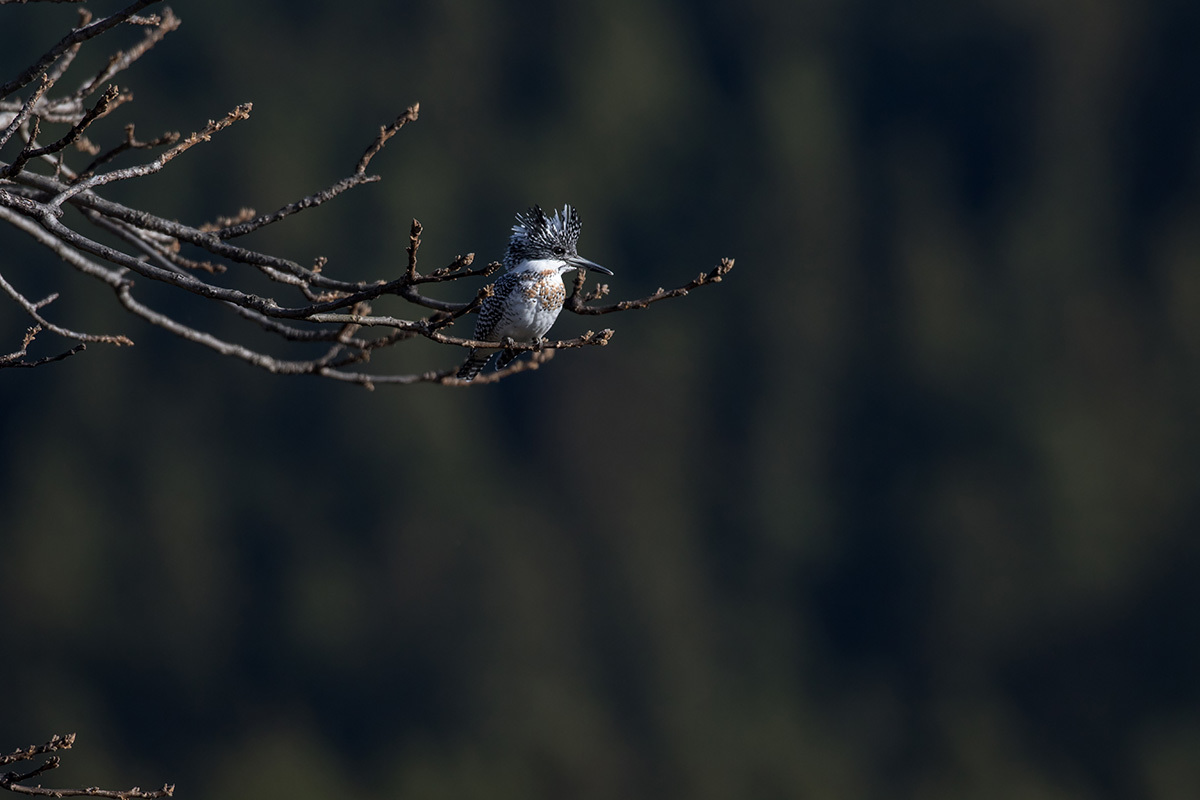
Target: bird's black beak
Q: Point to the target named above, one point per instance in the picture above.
(579, 262)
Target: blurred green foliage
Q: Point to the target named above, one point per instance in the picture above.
(904, 508)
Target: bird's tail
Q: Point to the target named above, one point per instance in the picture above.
(506, 357)
(474, 363)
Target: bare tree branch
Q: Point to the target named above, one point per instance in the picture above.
(17, 357)
(56, 743)
(21, 116)
(159, 27)
(304, 308)
(102, 107)
(76, 36)
(15, 781)
(577, 302)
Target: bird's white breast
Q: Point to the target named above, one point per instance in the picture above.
(534, 303)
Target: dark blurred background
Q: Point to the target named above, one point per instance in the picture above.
(905, 508)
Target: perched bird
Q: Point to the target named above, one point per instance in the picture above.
(528, 296)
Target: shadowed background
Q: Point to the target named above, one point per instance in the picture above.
(904, 508)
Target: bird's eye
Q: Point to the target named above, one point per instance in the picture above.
(558, 250)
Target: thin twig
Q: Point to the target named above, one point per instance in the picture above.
(68, 56)
(55, 744)
(15, 781)
(204, 135)
(77, 36)
(33, 310)
(122, 59)
(131, 143)
(102, 107)
(414, 242)
(386, 132)
(19, 119)
(357, 179)
(17, 359)
(576, 303)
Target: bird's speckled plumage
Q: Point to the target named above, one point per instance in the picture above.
(528, 297)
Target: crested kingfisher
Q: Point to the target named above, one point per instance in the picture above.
(528, 297)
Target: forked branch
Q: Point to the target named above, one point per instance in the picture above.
(18, 782)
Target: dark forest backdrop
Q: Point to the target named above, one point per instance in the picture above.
(906, 508)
